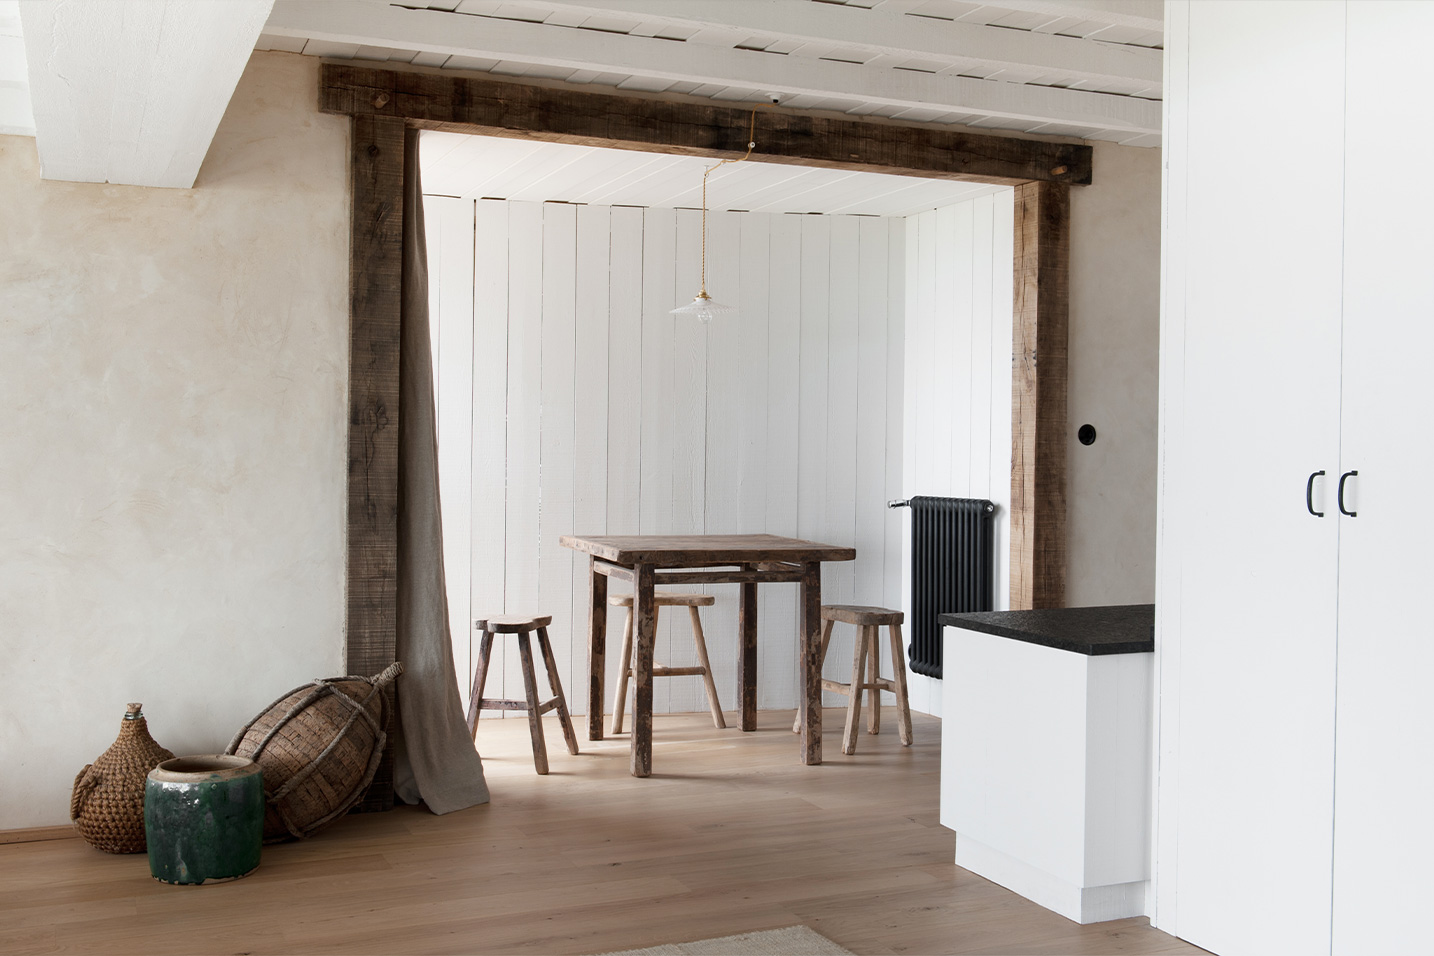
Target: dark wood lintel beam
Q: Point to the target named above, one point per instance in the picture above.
(500, 108)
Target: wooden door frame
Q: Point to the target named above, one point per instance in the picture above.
(385, 106)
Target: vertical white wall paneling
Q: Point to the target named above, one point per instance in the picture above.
(958, 262)
(490, 426)
(659, 413)
(732, 391)
(813, 308)
(751, 408)
(591, 469)
(777, 666)
(624, 402)
(843, 367)
(449, 224)
(557, 432)
(916, 322)
(595, 410)
(1002, 363)
(689, 433)
(868, 387)
(982, 276)
(945, 361)
(812, 411)
(522, 570)
(957, 384)
(896, 265)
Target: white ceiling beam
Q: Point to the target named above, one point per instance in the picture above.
(132, 92)
(366, 23)
(1146, 15)
(967, 44)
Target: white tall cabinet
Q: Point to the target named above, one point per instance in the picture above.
(1294, 791)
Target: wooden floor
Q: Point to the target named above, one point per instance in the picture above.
(730, 834)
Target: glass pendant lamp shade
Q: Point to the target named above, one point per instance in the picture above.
(703, 306)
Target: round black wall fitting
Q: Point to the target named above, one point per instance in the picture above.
(1086, 434)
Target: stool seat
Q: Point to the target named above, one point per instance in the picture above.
(535, 707)
(861, 615)
(866, 669)
(703, 668)
(512, 623)
(667, 599)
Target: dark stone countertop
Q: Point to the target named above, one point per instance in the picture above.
(1121, 629)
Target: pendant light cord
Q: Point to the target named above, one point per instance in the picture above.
(751, 145)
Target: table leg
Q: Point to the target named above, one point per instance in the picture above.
(811, 670)
(644, 636)
(597, 648)
(747, 655)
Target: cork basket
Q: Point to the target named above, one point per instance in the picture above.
(319, 746)
(107, 803)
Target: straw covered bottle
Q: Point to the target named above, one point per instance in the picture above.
(107, 804)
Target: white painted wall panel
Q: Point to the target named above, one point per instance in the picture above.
(957, 378)
(800, 415)
(778, 605)
(489, 512)
(450, 264)
(608, 414)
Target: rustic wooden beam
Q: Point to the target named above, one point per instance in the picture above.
(1038, 396)
(383, 103)
(375, 269)
(498, 108)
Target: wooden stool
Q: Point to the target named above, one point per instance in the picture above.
(522, 626)
(664, 599)
(866, 659)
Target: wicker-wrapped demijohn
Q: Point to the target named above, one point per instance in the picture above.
(107, 803)
(319, 746)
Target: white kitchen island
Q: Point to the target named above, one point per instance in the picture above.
(1046, 754)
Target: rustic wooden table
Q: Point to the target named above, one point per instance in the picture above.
(646, 560)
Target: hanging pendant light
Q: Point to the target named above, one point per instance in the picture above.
(703, 306)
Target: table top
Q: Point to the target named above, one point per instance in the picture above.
(703, 550)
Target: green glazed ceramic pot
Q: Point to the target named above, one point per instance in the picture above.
(204, 818)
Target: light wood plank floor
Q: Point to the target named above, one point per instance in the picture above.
(729, 835)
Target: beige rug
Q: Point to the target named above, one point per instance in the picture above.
(792, 941)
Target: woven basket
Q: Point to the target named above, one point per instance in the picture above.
(107, 803)
(319, 746)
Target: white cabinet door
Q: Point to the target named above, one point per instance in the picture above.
(1255, 635)
(1384, 750)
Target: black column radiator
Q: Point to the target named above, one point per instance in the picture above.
(952, 569)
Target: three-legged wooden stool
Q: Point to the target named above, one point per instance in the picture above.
(666, 599)
(522, 626)
(866, 660)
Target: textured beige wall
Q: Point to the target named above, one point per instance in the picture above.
(1114, 359)
(172, 440)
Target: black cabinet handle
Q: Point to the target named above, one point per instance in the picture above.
(1309, 495)
(1342, 479)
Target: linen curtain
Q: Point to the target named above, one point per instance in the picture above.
(435, 761)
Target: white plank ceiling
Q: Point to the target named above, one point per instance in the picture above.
(137, 100)
(1084, 68)
(488, 167)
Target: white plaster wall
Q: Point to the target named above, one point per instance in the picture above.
(172, 417)
(1114, 361)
